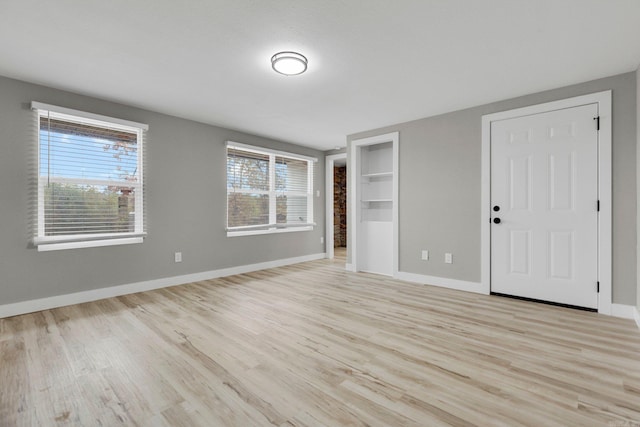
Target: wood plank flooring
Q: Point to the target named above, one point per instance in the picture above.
(313, 345)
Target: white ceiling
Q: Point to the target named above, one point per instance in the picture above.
(371, 62)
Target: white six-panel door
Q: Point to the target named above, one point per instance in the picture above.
(544, 181)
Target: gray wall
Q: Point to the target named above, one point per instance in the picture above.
(638, 179)
(439, 179)
(185, 201)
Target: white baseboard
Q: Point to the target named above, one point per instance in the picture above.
(623, 311)
(617, 310)
(349, 267)
(31, 306)
(443, 282)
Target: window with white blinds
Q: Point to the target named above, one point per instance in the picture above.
(267, 190)
(90, 179)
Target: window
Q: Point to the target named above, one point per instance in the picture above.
(268, 191)
(90, 179)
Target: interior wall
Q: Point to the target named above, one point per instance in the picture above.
(340, 206)
(638, 181)
(440, 188)
(185, 202)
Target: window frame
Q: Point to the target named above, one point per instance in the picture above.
(73, 241)
(273, 226)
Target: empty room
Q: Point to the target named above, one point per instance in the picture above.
(320, 213)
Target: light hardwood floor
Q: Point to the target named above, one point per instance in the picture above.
(340, 254)
(311, 344)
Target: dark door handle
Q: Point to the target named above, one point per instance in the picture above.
(496, 220)
(496, 208)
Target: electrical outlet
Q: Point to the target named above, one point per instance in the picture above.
(425, 255)
(178, 257)
(448, 258)
(321, 240)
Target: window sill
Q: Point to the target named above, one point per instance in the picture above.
(88, 244)
(268, 231)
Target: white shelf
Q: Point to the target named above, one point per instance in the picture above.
(376, 183)
(377, 174)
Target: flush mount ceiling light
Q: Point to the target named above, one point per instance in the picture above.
(289, 63)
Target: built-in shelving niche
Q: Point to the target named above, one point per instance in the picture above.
(375, 198)
(376, 182)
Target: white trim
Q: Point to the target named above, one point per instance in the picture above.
(605, 218)
(603, 99)
(396, 203)
(88, 244)
(622, 310)
(274, 225)
(274, 230)
(310, 196)
(102, 120)
(354, 204)
(47, 240)
(617, 310)
(15, 309)
(263, 150)
(329, 182)
(139, 217)
(273, 195)
(442, 282)
(349, 267)
(485, 206)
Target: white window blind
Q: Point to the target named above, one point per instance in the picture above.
(90, 179)
(268, 190)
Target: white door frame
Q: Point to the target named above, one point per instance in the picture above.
(330, 164)
(603, 100)
(353, 197)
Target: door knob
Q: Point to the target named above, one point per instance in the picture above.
(496, 208)
(496, 220)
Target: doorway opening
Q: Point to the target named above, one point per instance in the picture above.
(340, 210)
(336, 210)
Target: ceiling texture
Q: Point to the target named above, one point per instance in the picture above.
(372, 63)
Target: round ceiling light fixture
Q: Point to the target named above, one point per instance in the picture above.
(289, 63)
